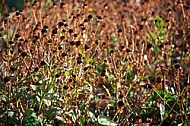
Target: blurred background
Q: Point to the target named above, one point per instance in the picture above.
(11, 5)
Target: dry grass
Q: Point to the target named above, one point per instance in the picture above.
(81, 63)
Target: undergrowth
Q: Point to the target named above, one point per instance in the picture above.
(95, 63)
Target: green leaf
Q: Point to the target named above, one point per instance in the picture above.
(90, 61)
(82, 120)
(105, 121)
(82, 105)
(10, 113)
(30, 96)
(36, 88)
(100, 68)
(50, 112)
(114, 87)
(130, 75)
(28, 113)
(166, 115)
(112, 103)
(32, 121)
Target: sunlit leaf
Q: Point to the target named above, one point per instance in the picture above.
(90, 61)
(10, 113)
(82, 120)
(36, 88)
(105, 121)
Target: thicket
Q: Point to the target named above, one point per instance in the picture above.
(95, 63)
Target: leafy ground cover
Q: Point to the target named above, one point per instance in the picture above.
(95, 63)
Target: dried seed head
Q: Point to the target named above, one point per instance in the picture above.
(23, 54)
(7, 15)
(119, 30)
(161, 46)
(11, 51)
(85, 68)
(96, 42)
(65, 87)
(63, 30)
(36, 69)
(36, 37)
(50, 41)
(58, 75)
(86, 47)
(99, 18)
(128, 50)
(73, 75)
(72, 43)
(75, 35)
(85, 20)
(11, 42)
(83, 28)
(45, 27)
(111, 51)
(122, 47)
(186, 50)
(90, 16)
(44, 31)
(120, 104)
(79, 61)
(19, 50)
(158, 80)
(17, 13)
(6, 79)
(12, 68)
(36, 4)
(149, 46)
(64, 54)
(177, 66)
(42, 63)
(54, 32)
(66, 25)
(17, 36)
(78, 43)
(62, 37)
(60, 24)
(70, 80)
(60, 48)
(70, 31)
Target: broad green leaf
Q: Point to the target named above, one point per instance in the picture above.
(166, 115)
(90, 61)
(114, 87)
(130, 75)
(28, 113)
(105, 121)
(100, 68)
(10, 113)
(50, 112)
(36, 88)
(92, 116)
(32, 121)
(82, 120)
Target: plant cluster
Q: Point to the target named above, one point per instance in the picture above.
(96, 63)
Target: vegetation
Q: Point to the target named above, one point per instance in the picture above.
(95, 63)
